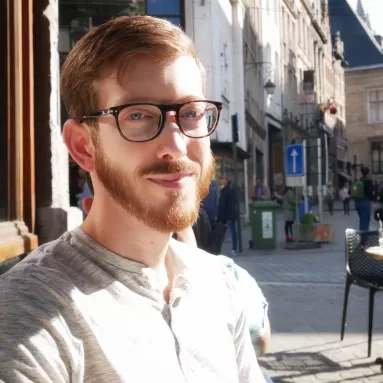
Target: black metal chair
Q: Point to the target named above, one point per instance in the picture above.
(362, 271)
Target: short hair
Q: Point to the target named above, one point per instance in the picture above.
(113, 46)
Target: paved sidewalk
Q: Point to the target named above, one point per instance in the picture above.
(305, 290)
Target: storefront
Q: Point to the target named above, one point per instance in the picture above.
(17, 191)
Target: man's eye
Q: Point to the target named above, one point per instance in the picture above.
(192, 113)
(136, 116)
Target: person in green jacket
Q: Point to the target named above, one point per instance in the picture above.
(289, 210)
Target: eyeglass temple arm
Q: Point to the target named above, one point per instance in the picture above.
(100, 113)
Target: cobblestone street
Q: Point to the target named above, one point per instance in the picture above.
(305, 290)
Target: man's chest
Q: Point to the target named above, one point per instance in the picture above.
(137, 340)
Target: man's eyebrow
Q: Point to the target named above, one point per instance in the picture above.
(151, 100)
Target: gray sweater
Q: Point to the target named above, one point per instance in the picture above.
(72, 311)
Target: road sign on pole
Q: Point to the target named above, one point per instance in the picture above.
(294, 160)
(294, 165)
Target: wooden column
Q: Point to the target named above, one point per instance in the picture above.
(16, 236)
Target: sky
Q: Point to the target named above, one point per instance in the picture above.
(374, 8)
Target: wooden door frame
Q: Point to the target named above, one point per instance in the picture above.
(16, 234)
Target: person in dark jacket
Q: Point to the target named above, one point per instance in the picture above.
(210, 203)
(227, 211)
(363, 206)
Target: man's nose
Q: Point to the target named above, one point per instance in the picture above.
(172, 141)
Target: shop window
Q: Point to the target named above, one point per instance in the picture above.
(377, 157)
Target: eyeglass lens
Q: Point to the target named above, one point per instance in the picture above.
(142, 122)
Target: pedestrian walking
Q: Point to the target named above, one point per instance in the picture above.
(261, 191)
(361, 193)
(345, 197)
(289, 211)
(117, 299)
(210, 203)
(330, 197)
(227, 211)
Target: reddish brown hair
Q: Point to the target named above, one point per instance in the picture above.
(112, 46)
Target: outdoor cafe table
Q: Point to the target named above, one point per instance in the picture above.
(376, 252)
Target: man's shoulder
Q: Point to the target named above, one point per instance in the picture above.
(42, 272)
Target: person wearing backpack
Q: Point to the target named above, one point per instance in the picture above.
(361, 193)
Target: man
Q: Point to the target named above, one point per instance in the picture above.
(361, 193)
(227, 211)
(330, 197)
(85, 191)
(210, 203)
(118, 300)
(262, 192)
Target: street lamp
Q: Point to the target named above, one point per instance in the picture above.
(270, 87)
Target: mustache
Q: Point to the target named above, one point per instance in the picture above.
(171, 167)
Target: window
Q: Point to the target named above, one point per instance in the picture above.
(375, 112)
(165, 9)
(77, 19)
(377, 157)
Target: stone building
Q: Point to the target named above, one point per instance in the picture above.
(363, 87)
(313, 87)
(364, 94)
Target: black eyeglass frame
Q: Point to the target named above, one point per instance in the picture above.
(164, 108)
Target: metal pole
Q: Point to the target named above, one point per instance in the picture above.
(297, 221)
(320, 196)
(305, 177)
(235, 181)
(326, 158)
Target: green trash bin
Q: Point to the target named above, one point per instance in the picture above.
(263, 224)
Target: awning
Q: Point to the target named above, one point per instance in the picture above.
(218, 146)
(344, 174)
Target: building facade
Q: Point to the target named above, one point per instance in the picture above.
(216, 27)
(363, 52)
(313, 86)
(254, 92)
(364, 92)
(271, 70)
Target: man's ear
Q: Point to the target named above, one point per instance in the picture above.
(78, 141)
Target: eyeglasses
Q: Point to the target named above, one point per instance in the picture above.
(143, 122)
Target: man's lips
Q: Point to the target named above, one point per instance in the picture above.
(172, 177)
(172, 180)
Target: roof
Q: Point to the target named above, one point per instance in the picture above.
(360, 45)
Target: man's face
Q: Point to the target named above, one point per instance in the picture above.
(259, 182)
(160, 182)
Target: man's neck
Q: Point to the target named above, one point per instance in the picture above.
(110, 226)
